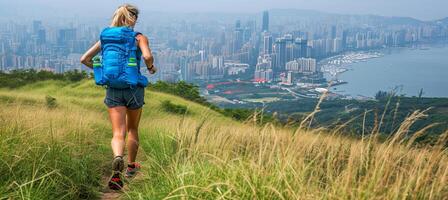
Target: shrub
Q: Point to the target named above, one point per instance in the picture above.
(18, 78)
(75, 75)
(183, 89)
(173, 108)
(50, 101)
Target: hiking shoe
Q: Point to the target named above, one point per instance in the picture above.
(118, 164)
(115, 182)
(132, 170)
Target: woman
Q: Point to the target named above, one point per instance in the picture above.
(124, 105)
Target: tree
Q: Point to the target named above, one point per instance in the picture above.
(420, 94)
(380, 95)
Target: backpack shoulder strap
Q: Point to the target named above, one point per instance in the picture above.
(134, 39)
(136, 34)
(101, 35)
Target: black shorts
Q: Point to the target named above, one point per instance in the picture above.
(131, 98)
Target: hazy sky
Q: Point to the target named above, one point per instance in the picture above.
(421, 9)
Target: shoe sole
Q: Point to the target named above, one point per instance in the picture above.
(118, 164)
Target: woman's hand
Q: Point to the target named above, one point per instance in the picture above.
(152, 69)
(86, 59)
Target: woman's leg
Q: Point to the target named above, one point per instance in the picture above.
(133, 120)
(118, 118)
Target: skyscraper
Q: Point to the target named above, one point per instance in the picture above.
(238, 37)
(265, 21)
(344, 39)
(288, 38)
(41, 36)
(66, 41)
(37, 25)
(302, 45)
(66, 35)
(280, 51)
(267, 44)
(238, 24)
(302, 65)
(333, 32)
(263, 70)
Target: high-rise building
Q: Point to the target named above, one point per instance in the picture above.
(238, 37)
(66, 36)
(361, 41)
(238, 24)
(290, 51)
(302, 65)
(37, 25)
(265, 26)
(337, 45)
(263, 70)
(185, 69)
(333, 32)
(344, 39)
(201, 69)
(41, 36)
(3, 62)
(280, 51)
(267, 44)
(289, 47)
(301, 51)
(328, 46)
(218, 62)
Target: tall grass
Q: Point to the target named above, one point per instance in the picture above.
(50, 152)
(202, 159)
(60, 151)
(55, 139)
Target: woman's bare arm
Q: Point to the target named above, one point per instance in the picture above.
(86, 59)
(143, 43)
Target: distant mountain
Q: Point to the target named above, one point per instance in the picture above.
(396, 20)
(311, 15)
(298, 13)
(400, 20)
(443, 21)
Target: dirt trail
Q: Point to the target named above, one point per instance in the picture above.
(106, 193)
(110, 196)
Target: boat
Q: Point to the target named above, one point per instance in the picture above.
(338, 82)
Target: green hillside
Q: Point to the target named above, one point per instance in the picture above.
(55, 144)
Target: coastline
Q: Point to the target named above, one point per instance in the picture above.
(338, 64)
(366, 55)
(335, 67)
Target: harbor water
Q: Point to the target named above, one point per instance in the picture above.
(405, 70)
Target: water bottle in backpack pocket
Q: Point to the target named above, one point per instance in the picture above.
(98, 72)
(132, 72)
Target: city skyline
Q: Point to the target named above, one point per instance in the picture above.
(285, 49)
(422, 10)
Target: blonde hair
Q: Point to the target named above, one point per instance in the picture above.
(125, 15)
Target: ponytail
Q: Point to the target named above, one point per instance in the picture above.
(125, 15)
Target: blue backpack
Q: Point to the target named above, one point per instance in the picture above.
(119, 66)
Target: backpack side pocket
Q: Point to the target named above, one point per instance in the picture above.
(132, 72)
(98, 71)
